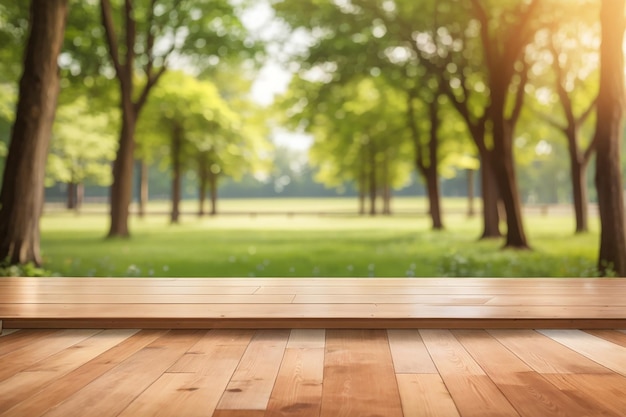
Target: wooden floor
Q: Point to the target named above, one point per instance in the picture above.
(199, 303)
(312, 373)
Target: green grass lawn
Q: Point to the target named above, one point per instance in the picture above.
(305, 246)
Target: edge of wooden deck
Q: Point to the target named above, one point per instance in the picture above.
(316, 323)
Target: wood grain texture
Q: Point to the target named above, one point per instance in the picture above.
(298, 388)
(525, 389)
(593, 303)
(64, 387)
(595, 348)
(543, 354)
(252, 383)
(113, 392)
(359, 379)
(26, 356)
(409, 353)
(319, 374)
(425, 395)
(23, 385)
(474, 393)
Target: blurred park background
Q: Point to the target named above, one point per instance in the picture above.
(366, 138)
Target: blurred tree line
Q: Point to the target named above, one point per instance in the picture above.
(518, 96)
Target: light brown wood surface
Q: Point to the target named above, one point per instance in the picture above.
(315, 373)
(589, 303)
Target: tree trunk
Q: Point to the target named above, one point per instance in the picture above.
(607, 140)
(22, 195)
(202, 186)
(490, 198)
(432, 172)
(122, 187)
(213, 191)
(386, 187)
(176, 151)
(143, 187)
(71, 196)
(80, 196)
(504, 168)
(579, 191)
(373, 183)
(471, 212)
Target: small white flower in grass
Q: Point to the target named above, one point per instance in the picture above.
(292, 270)
(166, 268)
(150, 272)
(232, 259)
(316, 270)
(133, 270)
(412, 266)
(252, 250)
(260, 267)
(251, 275)
(350, 268)
(266, 262)
(371, 267)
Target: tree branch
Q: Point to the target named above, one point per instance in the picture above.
(131, 35)
(150, 39)
(109, 30)
(520, 94)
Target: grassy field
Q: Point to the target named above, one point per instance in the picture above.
(310, 245)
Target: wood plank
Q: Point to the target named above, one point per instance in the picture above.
(307, 339)
(80, 299)
(358, 376)
(391, 299)
(177, 394)
(69, 384)
(130, 378)
(409, 353)
(252, 383)
(426, 396)
(298, 388)
(22, 385)
(605, 389)
(599, 350)
(239, 413)
(24, 357)
(474, 394)
(543, 354)
(22, 338)
(612, 336)
(529, 393)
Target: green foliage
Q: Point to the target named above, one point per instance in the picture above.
(83, 145)
(27, 270)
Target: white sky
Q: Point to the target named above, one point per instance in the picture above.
(273, 79)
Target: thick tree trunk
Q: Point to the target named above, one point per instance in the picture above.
(607, 140)
(490, 199)
(434, 199)
(176, 150)
(122, 187)
(143, 187)
(504, 168)
(22, 195)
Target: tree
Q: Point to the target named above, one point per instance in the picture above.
(21, 198)
(181, 28)
(608, 135)
(82, 149)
